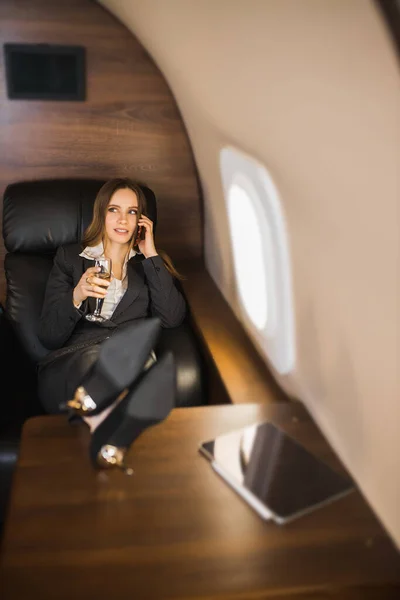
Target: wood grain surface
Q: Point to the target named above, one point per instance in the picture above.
(129, 125)
(233, 358)
(174, 529)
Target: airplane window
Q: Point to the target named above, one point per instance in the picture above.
(261, 258)
(247, 250)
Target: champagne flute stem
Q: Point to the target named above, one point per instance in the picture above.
(99, 306)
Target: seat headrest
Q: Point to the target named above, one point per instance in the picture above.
(40, 216)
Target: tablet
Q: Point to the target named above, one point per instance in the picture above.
(278, 477)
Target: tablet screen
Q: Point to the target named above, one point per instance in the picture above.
(277, 470)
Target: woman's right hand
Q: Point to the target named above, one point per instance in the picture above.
(90, 285)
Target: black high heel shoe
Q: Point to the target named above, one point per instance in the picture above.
(149, 403)
(121, 360)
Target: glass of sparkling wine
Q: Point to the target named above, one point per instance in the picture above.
(105, 273)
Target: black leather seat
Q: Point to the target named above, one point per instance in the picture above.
(39, 216)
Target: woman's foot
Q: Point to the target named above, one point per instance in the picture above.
(121, 359)
(148, 403)
(96, 420)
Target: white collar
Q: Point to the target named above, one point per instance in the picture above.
(93, 252)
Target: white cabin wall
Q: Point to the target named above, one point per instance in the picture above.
(311, 88)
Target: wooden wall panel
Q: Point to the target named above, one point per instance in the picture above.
(128, 126)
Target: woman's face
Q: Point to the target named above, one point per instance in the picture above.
(121, 216)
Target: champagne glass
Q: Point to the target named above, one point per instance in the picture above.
(105, 273)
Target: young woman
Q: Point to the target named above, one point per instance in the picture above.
(102, 370)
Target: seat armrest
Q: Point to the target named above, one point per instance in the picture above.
(18, 385)
(189, 364)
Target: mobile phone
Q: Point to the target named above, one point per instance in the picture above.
(140, 234)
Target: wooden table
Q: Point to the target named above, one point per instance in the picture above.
(174, 529)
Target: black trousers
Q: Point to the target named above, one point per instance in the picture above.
(58, 380)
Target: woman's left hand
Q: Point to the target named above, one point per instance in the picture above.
(146, 246)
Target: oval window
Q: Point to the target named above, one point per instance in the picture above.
(248, 254)
(260, 250)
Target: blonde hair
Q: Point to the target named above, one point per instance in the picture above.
(95, 232)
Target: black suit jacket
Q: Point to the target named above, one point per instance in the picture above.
(151, 293)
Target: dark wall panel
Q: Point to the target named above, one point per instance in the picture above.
(128, 126)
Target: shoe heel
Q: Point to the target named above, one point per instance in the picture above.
(121, 360)
(148, 404)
